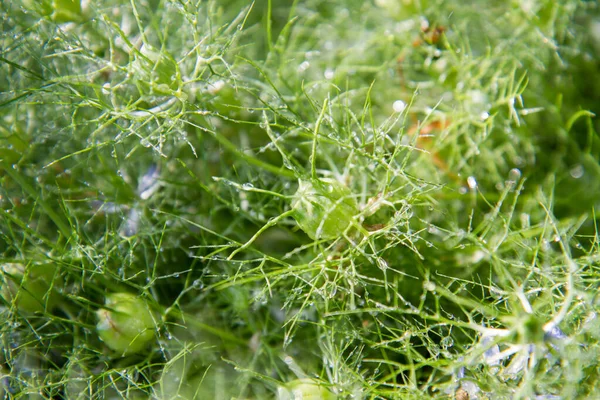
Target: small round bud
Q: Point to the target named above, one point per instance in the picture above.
(323, 208)
(127, 324)
(304, 389)
(29, 288)
(58, 10)
(156, 71)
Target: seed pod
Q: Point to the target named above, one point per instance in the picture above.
(58, 10)
(323, 208)
(29, 288)
(156, 71)
(127, 324)
(304, 389)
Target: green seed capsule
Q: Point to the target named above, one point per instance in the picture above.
(29, 288)
(156, 71)
(58, 10)
(127, 325)
(323, 208)
(304, 389)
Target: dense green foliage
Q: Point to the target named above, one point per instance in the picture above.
(383, 199)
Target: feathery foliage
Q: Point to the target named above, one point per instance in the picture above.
(384, 199)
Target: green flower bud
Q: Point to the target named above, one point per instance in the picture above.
(58, 10)
(127, 324)
(156, 71)
(323, 208)
(29, 288)
(304, 389)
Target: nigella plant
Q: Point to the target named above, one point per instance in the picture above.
(341, 199)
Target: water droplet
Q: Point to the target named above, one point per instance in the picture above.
(447, 342)
(382, 264)
(577, 171)
(304, 66)
(433, 230)
(556, 238)
(198, 284)
(472, 182)
(514, 174)
(247, 186)
(329, 73)
(399, 106)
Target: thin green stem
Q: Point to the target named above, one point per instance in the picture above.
(313, 157)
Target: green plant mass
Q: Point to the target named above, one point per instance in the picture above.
(323, 208)
(303, 389)
(307, 199)
(28, 288)
(126, 325)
